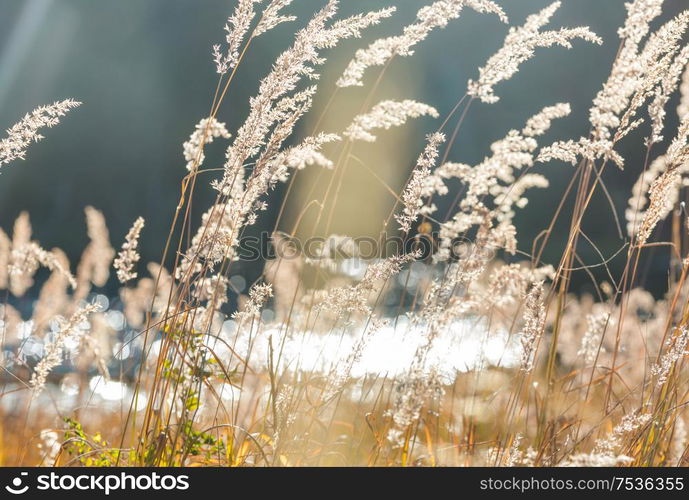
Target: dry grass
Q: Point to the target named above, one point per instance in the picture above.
(473, 353)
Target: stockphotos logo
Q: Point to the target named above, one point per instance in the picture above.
(18, 487)
(104, 483)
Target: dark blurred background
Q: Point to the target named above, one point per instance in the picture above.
(143, 70)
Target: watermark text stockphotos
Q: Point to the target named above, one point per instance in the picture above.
(268, 246)
(105, 483)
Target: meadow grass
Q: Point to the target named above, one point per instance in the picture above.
(446, 341)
